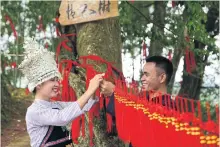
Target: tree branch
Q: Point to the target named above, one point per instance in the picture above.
(146, 6)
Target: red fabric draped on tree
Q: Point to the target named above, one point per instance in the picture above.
(142, 122)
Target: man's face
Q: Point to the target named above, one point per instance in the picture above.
(151, 79)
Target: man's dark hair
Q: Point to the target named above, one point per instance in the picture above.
(162, 63)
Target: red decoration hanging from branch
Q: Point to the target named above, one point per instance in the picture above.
(40, 24)
(144, 49)
(12, 25)
(57, 29)
(27, 91)
(41, 28)
(173, 4)
(170, 55)
(190, 61)
(188, 69)
(189, 55)
(13, 65)
(133, 110)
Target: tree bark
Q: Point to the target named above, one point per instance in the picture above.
(156, 47)
(176, 60)
(100, 38)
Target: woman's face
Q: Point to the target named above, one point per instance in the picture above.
(49, 89)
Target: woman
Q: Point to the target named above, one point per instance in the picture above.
(46, 120)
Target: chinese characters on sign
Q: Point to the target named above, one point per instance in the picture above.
(75, 11)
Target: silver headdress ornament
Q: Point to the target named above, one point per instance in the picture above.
(38, 65)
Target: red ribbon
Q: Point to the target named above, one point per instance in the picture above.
(144, 49)
(64, 45)
(27, 91)
(57, 29)
(75, 127)
(13, 65)
(40, 26)
(173, 4)
(187, 59)
(12, 25)
(169, 55)
(192, 58)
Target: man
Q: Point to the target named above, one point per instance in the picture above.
(157, 73)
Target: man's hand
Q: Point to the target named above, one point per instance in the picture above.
(107, 88)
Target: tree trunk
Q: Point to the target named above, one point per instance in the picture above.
(191, 84)
(156, 47)
(100, 38)
(178, 53)
(176, 60)
(5, 100)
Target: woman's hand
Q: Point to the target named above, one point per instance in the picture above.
(95, 82)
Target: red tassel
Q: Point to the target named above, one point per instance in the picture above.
(83, 126)
(58, 32)
(109, 123)
(57, 29)
(188, 68)
(65, 45)
(62, 43)
(72, 94)
(27, 91)
(65, 87)
(13, 65)
(144, 49)
(46, 45)
(187, 38)
(91, 134)
(199, 110)
(65, 83)
(12, 25)
(192, 59)
(58, 51)
(217, 113)
(169, 55)
(208, 111)
(173, 4)
(75, 129)
(68, 35)
(57, 19)
(40, 27)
